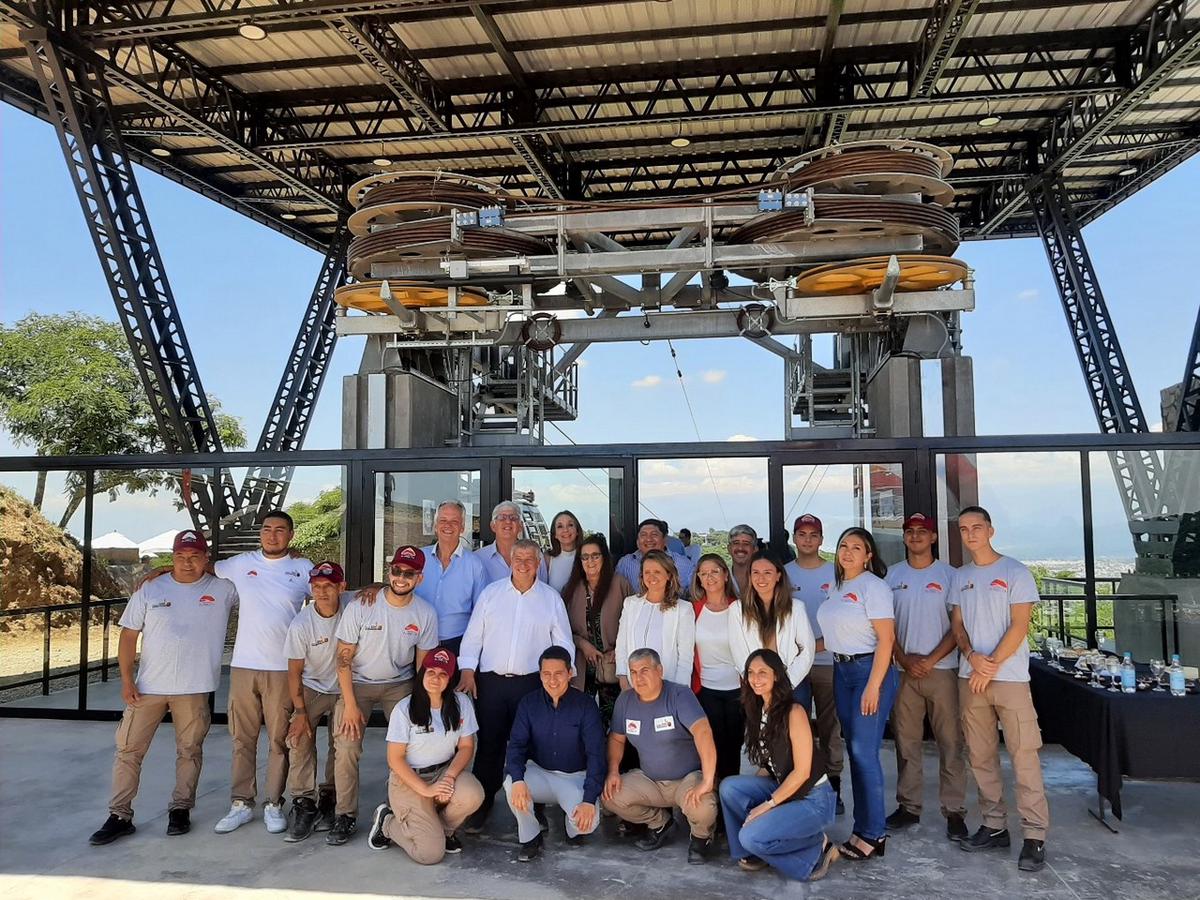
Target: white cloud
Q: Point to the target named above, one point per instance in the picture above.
(1028, 294)
(741, 437)
(649, 381)
(714, 376)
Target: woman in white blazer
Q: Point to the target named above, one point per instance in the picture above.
(767, 620)
(655, 619)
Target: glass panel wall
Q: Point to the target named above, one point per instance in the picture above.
(595, 495)
(405, 504)
(863, 495)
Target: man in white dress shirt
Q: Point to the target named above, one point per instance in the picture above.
(513, 622)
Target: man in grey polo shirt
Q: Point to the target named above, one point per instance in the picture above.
(181, 618)
(313, 684)
(381, 642)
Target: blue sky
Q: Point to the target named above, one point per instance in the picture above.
(241, 289)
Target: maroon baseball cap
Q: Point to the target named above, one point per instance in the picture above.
(190, 540)
(410, 556)
(441, 659)
(809, 520)
(327, 571)
(920, 520)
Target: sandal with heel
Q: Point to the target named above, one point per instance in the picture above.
(849, 850)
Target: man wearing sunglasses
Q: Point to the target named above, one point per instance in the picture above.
(381, 641)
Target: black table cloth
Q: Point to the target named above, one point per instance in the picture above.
(1142, 735)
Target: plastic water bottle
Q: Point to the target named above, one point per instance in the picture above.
(1176, 676)
(1128, 675)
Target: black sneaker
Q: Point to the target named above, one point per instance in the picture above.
(304, 820)
(698, 850)
(901, 818)
(475, 823)
(453, 844)
(178, 822)
(577, 840)
(630, 829)
(530, 850)
(655, 837)
(539, 813)
(113, 828)
(986, 839)
(343, 827)
(326, 804)
(376, 839)
(1033, 856)
(956, 828)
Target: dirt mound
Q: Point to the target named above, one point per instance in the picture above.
(40, 564)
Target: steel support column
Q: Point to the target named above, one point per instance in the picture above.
(76, 93)
(303, 377)
(1109, 383)
(1188, 417)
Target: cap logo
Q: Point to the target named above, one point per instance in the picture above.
(188, 536)
(441, 656)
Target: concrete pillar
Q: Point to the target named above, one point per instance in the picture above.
(958, 419)
(894, 398)
(397, 410)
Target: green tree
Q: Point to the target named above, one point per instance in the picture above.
(319, 525)
(69, 385)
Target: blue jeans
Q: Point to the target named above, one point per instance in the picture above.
(788, 837)
(802, 694)
(864, 736)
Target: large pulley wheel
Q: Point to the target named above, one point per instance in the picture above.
(859, 276)
(365, 296)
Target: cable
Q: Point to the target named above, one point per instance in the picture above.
(592, 483)
(696, 428)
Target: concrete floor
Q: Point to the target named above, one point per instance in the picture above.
(54, 786)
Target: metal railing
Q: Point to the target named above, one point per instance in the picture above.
(83, 668)
(1063, 631)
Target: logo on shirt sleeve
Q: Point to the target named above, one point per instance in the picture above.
(208, 599)
(633, 726)
(664, 723)
(825, 586)
(1000, 583)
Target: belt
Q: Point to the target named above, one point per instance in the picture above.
(851, 657)
(510, 674)
(425, 770)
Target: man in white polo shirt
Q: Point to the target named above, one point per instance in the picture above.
(921, 590)
(381, 641)
(272, 585)
(313, 685)
(182, 619)
(994, 597)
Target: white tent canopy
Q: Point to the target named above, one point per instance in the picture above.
(159, 544)
(114, 540)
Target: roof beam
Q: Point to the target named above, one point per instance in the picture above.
(939, 38)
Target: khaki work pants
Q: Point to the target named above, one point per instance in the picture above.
(649, 802)
(302, 758)
(138, 725)
(257, 697)
(936, 695)
(419, 825)
(1009, 703)
(347, 750)
(829, 729)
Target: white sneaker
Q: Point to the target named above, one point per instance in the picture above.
(239, 814)
(274, 818)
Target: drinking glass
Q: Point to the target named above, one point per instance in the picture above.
(1157, 667)
(1098, 672)
(1114, 676)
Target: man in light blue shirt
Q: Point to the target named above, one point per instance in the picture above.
(453, 575)
(497, 556)
(652, 535)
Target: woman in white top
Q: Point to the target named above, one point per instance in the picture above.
(767, 619)
(858, 626)
(431, 739)
(557, 564)
(654, 619)
(716, 679)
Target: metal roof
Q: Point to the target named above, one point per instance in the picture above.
(582, 98)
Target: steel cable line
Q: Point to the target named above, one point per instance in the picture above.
(696, 428)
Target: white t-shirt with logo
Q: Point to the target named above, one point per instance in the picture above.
(921, 598)
(313, 638)
(183, 633)
(387, 637)
(985, 593)
(272, 592)
(430, 745)
(846, 616)
(811, 587)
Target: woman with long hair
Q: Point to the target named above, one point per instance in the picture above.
(559, 561)
(779, 818)
(716, 677)
(430, 742)
(653, 618)
(858, 626)
(594, 594)
(767, 620)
